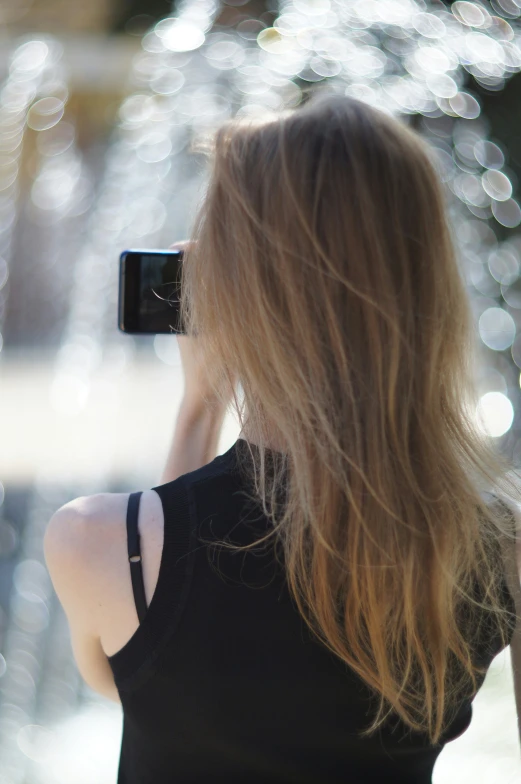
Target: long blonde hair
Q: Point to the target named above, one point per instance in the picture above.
(324, 280)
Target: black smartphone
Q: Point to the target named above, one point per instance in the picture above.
(149, 286)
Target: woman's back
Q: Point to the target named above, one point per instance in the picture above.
(223, 680)
(323, 280)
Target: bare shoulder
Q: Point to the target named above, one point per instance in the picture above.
(91, 525)
(85, 548)
(84, 521)
(90, 509)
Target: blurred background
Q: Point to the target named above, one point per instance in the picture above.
(100, 104)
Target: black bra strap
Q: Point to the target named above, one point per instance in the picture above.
(134, 555)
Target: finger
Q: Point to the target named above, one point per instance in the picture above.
(181, 245)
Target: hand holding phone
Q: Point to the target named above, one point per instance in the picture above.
(143, 274)
(198, 389)
(149, 304)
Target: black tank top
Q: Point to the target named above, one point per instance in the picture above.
(223, 682)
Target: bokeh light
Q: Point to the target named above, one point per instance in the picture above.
(496, 413)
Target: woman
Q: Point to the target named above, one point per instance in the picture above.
(321, 602)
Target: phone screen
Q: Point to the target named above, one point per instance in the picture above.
(149, 286)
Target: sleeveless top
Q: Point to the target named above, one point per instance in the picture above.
(224, 682)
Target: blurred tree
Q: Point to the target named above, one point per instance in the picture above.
(55, 16)
(135, 16)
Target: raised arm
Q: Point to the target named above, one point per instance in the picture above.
(200, 418)
(199, 421)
